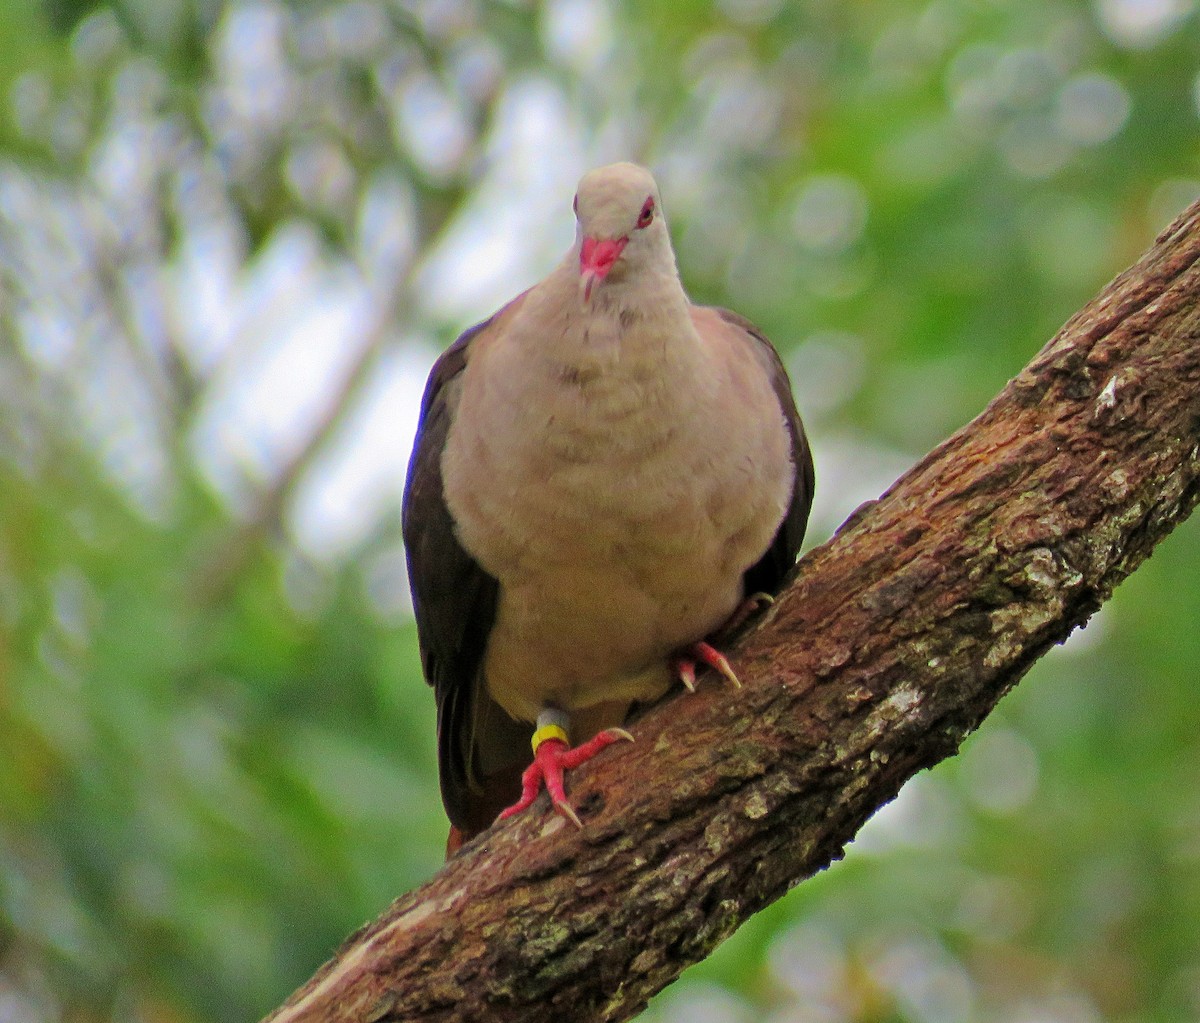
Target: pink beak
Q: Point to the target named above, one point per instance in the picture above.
(596, 258)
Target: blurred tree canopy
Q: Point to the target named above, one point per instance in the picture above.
(233, 236)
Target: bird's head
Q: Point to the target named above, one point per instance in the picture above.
(621, 230)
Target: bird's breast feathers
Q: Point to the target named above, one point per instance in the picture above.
(617, 499)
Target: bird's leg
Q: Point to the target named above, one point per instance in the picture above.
(552, 755)
(684, 663)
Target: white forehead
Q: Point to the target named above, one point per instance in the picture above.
(619, 186)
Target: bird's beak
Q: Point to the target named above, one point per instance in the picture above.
(596, 258)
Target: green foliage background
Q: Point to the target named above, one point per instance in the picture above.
(218, 751)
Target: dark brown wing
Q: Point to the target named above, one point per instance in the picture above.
(480, 749)
(768, 574)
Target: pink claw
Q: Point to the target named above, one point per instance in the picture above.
(685, 664)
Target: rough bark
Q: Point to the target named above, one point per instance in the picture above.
(896, 638)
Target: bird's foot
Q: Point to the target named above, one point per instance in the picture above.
(685, 664)
(552, 755)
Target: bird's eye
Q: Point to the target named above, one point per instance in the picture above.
(647, 213)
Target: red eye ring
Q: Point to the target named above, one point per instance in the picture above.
(647, 214)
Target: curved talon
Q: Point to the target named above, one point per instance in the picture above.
(685, 664)
(565, 809)
(713, 657)
(685, 668)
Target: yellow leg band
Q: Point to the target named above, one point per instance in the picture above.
(549, 732)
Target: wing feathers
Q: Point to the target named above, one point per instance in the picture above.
(768, 574)
(454, 601)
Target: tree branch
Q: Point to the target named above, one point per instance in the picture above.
(895, 640)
